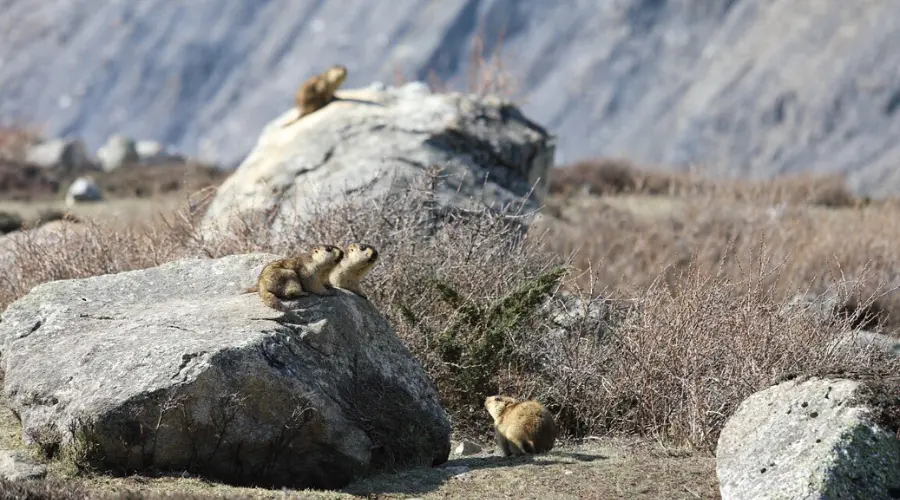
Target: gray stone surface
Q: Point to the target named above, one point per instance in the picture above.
(19, 466)
(863, 341)
(371, 142)
(751, 87)
(83, 189)
(466, 447)
(807, 440)
(175, 368)
(62, 154)
(118, 151)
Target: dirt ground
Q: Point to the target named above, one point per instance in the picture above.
(592, 469)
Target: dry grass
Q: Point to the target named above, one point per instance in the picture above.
(818, 235)
(616, 176)
(15, 140)
(669, 359)
(595, 469)
(21, 181)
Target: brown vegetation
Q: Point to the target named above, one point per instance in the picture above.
(676, 349)
(22, 181)
(614, 176)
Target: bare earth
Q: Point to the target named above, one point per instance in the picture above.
(593, 469)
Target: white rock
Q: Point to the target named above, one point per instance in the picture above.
(175, 368)
(118, 151)
(149, 149)
(372, 142)
(466, 447)
(83, 189)
(63, 154)
(18, 466)
(805, 441)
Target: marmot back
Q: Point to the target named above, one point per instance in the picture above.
(287, 279)
(521, 427)
(317, 91)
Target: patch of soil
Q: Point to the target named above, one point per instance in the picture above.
(30, 183)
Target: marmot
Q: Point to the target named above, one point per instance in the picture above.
(295, 277)
(521, 427)
(358, 261)
(317, 91)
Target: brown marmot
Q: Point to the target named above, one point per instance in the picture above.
(521, 427)
(317, 91)
(296, 277)
(357, 262)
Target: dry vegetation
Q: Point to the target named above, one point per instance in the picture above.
(675, 294)
(668, 357)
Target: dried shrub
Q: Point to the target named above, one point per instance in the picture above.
(44, 489)
(682, 359)
(15, 141)
(686, 328)
(628, 243)
(615, 176)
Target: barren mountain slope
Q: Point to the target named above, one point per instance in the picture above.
(748, 87)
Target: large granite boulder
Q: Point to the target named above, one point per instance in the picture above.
(376, 140)
(174, 368)
(61, 154)
(805, 440)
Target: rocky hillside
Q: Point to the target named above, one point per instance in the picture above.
(748, 87)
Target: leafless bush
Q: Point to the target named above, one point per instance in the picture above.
(680, 346)
(616, 176)
(613, 176)
(15, 140)
(683, 358)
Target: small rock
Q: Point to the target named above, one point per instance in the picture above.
(9, 222)
(117, 151)
(148, 149)
(83, 189)
(416, 88)
(152, 153)
(808, 440)
(862, 340)
(466, 447)
(17, 466)
(565, 313)
(63, 154)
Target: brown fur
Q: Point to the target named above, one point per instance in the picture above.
(317, 91)
(521, 427)
(296, 277)
(358, 261)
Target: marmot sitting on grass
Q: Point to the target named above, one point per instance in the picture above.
(317, 91)
(521, 427)
(296, 277)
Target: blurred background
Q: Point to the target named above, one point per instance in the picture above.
(746, 88)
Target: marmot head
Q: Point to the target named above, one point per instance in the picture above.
(326, 254)
(336, 74)
(496, 404)
(360, 252)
